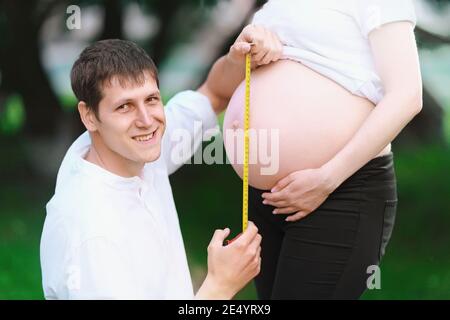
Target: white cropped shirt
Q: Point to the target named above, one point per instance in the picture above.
(331, 36)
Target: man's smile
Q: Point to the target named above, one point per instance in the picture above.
(147, 138)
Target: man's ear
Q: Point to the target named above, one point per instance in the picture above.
(87, 116)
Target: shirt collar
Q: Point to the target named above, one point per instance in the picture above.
(118, 182)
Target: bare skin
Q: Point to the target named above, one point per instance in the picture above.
(332, 134)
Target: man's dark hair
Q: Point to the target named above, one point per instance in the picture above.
(105, 59)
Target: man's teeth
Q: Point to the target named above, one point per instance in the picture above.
(144, 138)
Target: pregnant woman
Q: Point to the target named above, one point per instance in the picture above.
(348, 83)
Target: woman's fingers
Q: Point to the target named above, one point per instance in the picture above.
(276, 196)
(268, 58)
(274, 52)
(295, 217)
(261, 52)
(285, 210)
(283, 183)
(238, 50)
(277, 204)
(266, 46)
(270, 49)
(242, 47)
(263, 45)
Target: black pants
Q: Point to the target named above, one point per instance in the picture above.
(326, 254)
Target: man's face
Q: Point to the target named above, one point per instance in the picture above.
(132, 121)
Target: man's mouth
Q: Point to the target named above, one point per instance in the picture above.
(146, 137)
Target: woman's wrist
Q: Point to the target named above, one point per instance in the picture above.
(333, 175)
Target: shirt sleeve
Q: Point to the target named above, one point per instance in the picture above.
(189, 115)
(97, 270)
(372, 14)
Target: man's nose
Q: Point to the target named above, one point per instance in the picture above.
(144, 117)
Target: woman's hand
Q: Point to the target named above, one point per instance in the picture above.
(263, 44)
(301, 192)
(229, 71)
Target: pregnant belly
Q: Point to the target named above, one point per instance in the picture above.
(299, 119)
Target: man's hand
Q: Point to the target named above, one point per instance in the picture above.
(264, 46)
(231, 267)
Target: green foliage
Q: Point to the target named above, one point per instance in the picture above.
(68, 102)
(447, 124)
(13, 117)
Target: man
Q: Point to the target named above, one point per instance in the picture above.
(112, 230)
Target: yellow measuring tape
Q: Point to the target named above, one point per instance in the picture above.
(246, 143)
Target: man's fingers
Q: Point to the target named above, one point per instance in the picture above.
(258, 256)
(256, 243)
(248, 235)
(219, 236)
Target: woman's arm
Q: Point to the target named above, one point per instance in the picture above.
(229, 71)
(396, 57)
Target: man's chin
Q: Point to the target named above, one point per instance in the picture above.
(152, 157)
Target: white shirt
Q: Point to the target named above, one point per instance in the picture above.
(331, 36)
(110, 237)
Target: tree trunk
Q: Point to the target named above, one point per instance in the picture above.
(113, 20)
(23, 71)
(160, 45)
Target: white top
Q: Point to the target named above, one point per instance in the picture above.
(110, 237)
(331, 36)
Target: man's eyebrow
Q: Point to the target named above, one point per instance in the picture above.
(127, 100)
(154, 94)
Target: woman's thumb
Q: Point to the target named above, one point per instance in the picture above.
(240, 49)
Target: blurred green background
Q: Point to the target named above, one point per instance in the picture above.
(38, 122)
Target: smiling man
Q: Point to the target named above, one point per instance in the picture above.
(112, 229)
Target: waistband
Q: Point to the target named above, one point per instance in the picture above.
(377, 169)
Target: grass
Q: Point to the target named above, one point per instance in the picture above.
(412, 276)
(416, 265)
(21, 218)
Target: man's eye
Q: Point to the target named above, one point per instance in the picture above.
(153, 99)
(123, 108)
